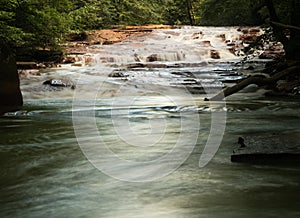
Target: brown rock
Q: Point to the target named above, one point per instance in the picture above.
(116, 74)
(205, 43)
(29, 73)
(27, 65)
(214, 54)
(254, 31)
(152, 58)
(60, 83)
(69, 60)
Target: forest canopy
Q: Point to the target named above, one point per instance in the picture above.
(43, 23)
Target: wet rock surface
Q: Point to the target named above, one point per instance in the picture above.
(59, 84)
(214, 54)
(234, 40)
(117, 74)
(276, 148)
(29, 73)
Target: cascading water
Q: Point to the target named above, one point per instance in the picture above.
(185, 44)
(193, 57)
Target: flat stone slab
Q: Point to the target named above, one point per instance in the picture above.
(269, 149)
(263, 158)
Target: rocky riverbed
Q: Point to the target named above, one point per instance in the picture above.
(162, 46)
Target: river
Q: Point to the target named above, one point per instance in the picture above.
(146, 144)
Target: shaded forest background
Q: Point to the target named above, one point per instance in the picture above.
(44, 23)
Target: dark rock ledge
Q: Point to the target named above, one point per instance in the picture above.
(272, 149)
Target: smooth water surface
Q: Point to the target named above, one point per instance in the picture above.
(44, 172)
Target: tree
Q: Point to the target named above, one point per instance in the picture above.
(226, 12)
(180, 12)
(44, 21)
(286, 29)
(139, 12)
(291, 44)
(10, 94)
(25, 23)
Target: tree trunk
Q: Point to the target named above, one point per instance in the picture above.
(10, 93)
(189, 11)
(278, 31)
(293, 46)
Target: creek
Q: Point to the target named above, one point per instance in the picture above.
(129, 145)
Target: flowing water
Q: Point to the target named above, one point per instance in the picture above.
(55, 159)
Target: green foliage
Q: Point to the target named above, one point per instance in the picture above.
(49, 24)
(9, 34)
(226, 12)
(93, 14)
(239, 12)
(32, 22)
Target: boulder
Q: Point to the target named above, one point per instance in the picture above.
(214, 54)
(205, 43)
(60, 83)
(116, 74)
(152, 58)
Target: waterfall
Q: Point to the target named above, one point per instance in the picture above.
(191, 57)
(184, 44)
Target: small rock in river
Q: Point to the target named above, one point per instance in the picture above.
(116, 74)
(60, 83)
(152, 58)
(214, 54)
